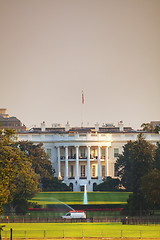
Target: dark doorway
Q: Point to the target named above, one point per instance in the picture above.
(94, 186)
(71, 186)
(82, 188)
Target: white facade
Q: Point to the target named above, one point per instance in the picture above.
(84, 155)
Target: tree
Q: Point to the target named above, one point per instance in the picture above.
(15, 169)
(110, 184)
(124, 166)
(150, 128)
(137, 204)
(143, 158)
(39, 159)
(157, 129)
(7, 158)
(147, 127)
(42, 166)
(157, 157)
(23, 186)
(151, 187)
(135, 162)
(54, 184)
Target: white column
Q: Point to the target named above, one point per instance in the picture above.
(59, 162)
(77, 164)
(99, 163)
(106, 162)
(88, 164)
(66, 162)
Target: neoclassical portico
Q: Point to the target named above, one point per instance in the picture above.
(82, 164)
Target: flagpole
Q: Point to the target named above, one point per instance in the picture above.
(82, 112)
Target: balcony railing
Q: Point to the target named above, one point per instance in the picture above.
(80, 157)
(71, 157)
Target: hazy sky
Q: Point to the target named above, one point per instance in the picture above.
(52, 49)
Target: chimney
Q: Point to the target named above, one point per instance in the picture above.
(97, 126)
(67, 127)
(43, 126)
(120, 125)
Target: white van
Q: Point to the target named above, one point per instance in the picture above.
(74, 214)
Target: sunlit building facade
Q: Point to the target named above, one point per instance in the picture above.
(84, 155)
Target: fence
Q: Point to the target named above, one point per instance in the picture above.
(128, 220)
(20, 219)
(44, 234)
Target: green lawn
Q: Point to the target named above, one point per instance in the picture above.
(40, 230)
(47, 198)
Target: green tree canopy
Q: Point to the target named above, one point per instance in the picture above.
(39, 158)
(149, 127)
(157, 157)
(136, 160)
(54, 184)
(124, 166)
(42, 166)
(132, 165)
(143, 159)
(151, 187)
(15, 169)
(110, 184)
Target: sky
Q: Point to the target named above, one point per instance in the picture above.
(51, 50)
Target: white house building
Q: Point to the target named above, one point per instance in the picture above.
(84, 155)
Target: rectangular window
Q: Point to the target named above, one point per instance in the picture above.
(93, 153)
(49, 153)
(116, 152)
(103, 171)
(82, 152)
(71, 153)
(83, 170)
(62, 153)
(62, 170)
(71, 171)
(103, 152)
(93, 170)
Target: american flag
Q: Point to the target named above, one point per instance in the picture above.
(82, 98)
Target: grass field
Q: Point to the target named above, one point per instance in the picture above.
(75, 230)
(71, 198)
